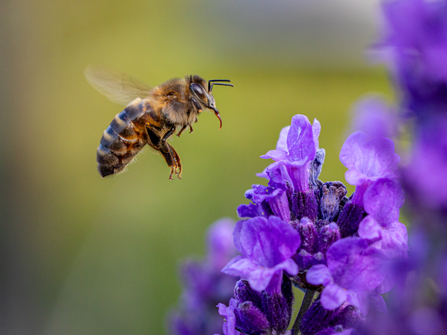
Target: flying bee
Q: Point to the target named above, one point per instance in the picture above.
(152, 116)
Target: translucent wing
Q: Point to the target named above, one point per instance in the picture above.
(117, 86)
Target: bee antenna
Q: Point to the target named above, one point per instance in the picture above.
(210, 85)
(225, 80)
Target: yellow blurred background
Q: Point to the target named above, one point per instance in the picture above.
(85, 255)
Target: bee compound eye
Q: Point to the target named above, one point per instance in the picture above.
(197, 90)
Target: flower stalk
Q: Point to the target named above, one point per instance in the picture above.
(307, 302)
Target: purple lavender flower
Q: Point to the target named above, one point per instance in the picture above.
(296, 149)
(271, 200)
(381, 227)
(353, 271)
(267, 246)
(297, 143)
(253, 312)
(319, 320)
(205, 285)
(229, 326)
(315, 243)
(367, 160)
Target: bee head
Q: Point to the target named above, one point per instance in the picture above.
(197, 87)
(205, 97)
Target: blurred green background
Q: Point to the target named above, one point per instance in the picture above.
(85, 255)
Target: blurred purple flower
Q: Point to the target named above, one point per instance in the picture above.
(373, 117)
(414, 44)
(426, 172)
(205, 285)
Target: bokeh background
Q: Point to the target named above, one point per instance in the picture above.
(85, 255)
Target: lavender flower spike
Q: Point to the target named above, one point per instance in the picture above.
(267, 246)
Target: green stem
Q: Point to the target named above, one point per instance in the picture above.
(307, 301)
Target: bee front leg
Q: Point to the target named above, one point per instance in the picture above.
(181, 131)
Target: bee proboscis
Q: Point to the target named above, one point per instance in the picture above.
(151, 116)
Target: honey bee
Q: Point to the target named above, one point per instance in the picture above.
(152, 116)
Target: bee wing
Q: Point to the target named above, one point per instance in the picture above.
(117, 86)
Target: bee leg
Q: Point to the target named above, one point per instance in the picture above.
(190, 129)
(170, 155)
(172, 159)
(168, 134)
(179, 164)
(172, 165)
(169, 160)
(176, 158)
(181, 131)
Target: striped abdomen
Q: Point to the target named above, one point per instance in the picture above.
(124, 138)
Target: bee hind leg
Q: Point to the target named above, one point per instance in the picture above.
(178, 168)
(172, 159)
